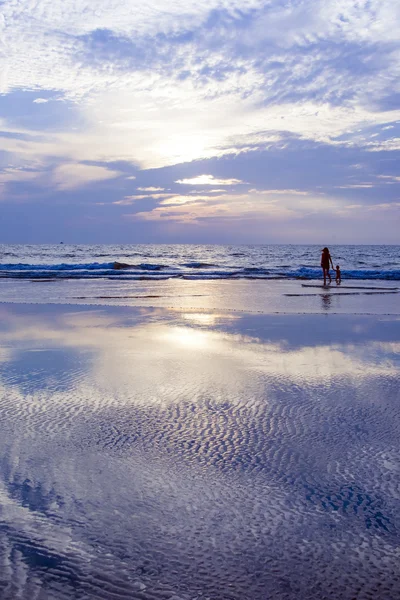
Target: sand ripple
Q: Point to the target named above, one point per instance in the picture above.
(225, 471)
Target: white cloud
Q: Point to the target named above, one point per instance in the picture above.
(150, 189)
(355, 186)
(40, 100)
(384, 206)
(387, 145)
(74, 175)
(248, 206)
(12, 174)
(279, 192)
(18, 175)
(133, 198)
(208, 192)
(389, 178)
(208, 180)
(127, 201)
(141, 110)
(178, 200)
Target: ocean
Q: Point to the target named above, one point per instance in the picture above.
(194, 262)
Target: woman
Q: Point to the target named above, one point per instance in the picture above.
(325, 260)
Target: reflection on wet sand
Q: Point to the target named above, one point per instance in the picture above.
(163, 454)
(326, 301)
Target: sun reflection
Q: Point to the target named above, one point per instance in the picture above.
(5, 354)
(201, 318)
(139, 355)
(186, 336)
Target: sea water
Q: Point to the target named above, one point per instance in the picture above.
(194, 262)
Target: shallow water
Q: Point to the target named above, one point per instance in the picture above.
(246, 296)
(157, 455)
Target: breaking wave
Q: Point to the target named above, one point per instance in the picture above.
(189, 270)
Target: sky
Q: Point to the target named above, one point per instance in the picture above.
(218, 121)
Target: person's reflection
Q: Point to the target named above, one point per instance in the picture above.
(326, 301)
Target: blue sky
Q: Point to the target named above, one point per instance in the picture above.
(183, 121)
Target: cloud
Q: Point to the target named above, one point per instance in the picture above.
(213, 191)
(249, 206)
(208, 180)
(384, 146)
(69, 176)
(14, 174)
(173, 82)
(247, 91)
(395, 206)
(355, 186)
(389, 178)
(288, 192)
(150, 189)
(178, 200)
(135, 197)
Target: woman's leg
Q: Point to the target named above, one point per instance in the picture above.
(324, 271)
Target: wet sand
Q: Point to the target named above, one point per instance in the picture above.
(191, 453)
(260, 296)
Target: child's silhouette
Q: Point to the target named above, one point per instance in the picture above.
(338, 275)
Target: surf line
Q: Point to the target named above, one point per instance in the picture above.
(124, 297)
(367, 293)
(348, 287)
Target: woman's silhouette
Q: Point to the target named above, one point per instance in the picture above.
(325, 260)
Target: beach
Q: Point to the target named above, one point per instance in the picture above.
(205, 441)
(200, 300)
(260, 296)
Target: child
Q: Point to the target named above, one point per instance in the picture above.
(338, 275)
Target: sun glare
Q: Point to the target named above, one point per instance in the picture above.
(188, 337)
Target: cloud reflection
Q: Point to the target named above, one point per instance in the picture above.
(143, 354)
(194, 438)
